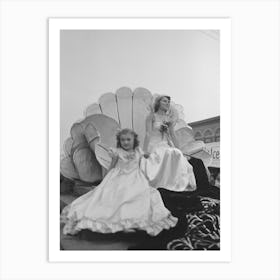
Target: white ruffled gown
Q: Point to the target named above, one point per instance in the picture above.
(167, 167)
(123, 201)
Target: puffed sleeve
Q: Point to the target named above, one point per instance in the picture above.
(91, 133)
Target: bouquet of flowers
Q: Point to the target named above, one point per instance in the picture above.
(164, 127)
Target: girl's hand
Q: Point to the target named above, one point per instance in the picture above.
(146, 155)
(112, 153)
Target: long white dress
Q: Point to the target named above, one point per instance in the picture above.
(123, 201)
(167, 167)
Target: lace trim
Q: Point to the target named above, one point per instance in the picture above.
(73, 226)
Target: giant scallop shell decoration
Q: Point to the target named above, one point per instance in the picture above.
(85, 152)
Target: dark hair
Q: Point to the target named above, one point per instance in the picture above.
(157, 101)
(127, 131)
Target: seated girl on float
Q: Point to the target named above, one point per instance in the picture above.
(123, 201)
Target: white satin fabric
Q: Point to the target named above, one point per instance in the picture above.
(123, 201)
(167, 167)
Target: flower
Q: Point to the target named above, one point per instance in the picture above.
(164, 127)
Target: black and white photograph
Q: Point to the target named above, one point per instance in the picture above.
(140, 136)
(139, 165)
(139, 139)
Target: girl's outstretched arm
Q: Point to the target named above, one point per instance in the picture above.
(142, 153)
(114, 161)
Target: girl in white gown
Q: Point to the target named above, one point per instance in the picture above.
(123, 201)
(166, 166)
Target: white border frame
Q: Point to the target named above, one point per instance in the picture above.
(55, 25)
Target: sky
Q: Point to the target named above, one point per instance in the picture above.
(183, 64)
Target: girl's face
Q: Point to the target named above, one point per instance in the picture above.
(127, 141)
(164, 104)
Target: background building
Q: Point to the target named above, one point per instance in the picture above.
(207, 130)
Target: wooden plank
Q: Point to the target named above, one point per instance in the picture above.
(108, 106)
(184, 135)
(92, 109)
(142, 99)
(92, 136)
(124, 102)
(87, 165)
(67, 168)
(106, 127)
(68, 146)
